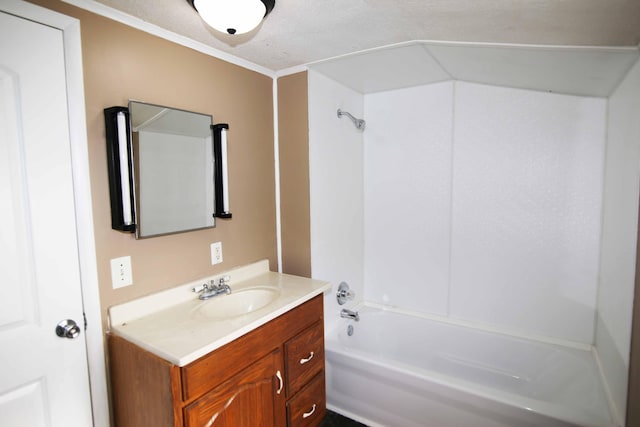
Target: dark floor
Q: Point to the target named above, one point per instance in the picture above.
(336, 420)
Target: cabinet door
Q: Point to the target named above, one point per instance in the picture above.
(253, 397)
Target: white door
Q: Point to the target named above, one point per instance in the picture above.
(43, 377)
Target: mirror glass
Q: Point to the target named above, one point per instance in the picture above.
(173, 169)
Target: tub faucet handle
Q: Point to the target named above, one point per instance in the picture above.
(344, 293)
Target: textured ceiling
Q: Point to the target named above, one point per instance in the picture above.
(300, 32)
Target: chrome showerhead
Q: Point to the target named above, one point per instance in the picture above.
(358, 123)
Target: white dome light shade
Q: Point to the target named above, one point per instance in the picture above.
(231, 16)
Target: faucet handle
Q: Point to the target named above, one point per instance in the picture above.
(224, 280)
(200, 288)
(344, 293)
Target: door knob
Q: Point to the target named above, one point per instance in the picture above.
(67, 329)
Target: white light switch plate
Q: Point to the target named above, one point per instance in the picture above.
(216, 253)
(121, 274)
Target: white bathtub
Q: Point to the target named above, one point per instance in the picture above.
(402, 371)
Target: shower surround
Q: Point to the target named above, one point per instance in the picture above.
(493, 202)
(482, 200)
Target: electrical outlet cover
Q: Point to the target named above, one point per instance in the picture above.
(121, 274)
(216, 253)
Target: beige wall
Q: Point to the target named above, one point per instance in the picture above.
(293, 130)
(121, 63)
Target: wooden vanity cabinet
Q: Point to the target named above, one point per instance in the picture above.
(271, 376)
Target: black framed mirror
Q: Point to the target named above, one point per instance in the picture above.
(170, 169)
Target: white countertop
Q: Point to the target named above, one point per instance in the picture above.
(169, 325)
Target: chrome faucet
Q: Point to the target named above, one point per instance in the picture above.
(210, 290)
(349, 314)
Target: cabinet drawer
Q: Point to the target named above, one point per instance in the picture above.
(304, 357)
(308, 407)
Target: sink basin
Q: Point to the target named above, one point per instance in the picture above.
(238, 302)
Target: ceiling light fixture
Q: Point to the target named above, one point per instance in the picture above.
(233, 16)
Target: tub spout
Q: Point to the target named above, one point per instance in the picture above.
(350, 314)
